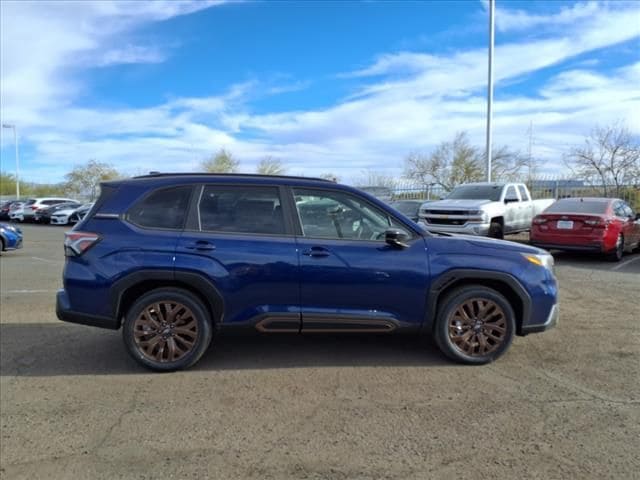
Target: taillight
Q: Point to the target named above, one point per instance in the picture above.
(76, 243)
(539, 220)
(34, 207)
(597, 222)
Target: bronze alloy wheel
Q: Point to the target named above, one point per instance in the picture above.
(477, 327)
(165, 331)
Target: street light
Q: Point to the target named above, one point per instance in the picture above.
(15, 141)
(492, 6)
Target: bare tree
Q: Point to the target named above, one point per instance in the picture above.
(271, 166)
(84, 180)
(609, 158)
(329, 176)
(509, 165)
(372, 178)
(451, 163)
(221, 162)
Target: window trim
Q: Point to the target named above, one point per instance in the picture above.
(127, 215)
(195, 226)
(298, 221)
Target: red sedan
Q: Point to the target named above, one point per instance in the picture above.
(605, 225)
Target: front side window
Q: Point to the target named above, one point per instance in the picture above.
(165, 208)
(241, 209)
(511, 194)
(340, 215)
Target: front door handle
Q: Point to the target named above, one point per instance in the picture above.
(316, 252)
(201, 245)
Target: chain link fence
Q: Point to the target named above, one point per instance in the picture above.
(539, 188)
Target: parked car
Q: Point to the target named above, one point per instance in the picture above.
(15, 212)
(409, 208)
(603, 225)
(171, 258)
(487, 209)
(44, 215)
(33, 205)
(80, 213)
(5, 207)
(66, 216)
(10, 237)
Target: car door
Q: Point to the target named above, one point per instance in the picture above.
(512, 208)
(526, 212)
(631, 229)
(351, 280)
(240, 240)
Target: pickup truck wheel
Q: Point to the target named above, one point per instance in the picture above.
(167, 329)
(475, 325)
(496, 230)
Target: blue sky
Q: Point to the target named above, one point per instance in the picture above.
(342, 87)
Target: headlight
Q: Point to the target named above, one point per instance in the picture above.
(542, 260)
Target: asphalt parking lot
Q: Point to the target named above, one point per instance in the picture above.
(562, 404)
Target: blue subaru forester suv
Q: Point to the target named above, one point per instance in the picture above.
(175, 258)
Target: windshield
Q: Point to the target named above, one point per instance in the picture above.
(476, 192)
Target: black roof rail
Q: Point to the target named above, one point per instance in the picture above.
(244, 175)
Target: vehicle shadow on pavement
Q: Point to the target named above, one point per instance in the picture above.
(49, 349)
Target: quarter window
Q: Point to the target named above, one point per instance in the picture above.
(340, 215)
(244, 209)
(165, 208)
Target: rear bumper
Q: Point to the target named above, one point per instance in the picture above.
(66, 314)
(551, 321)
(596, 247)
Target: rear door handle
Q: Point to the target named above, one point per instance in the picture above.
(316, 252)
(201, 245)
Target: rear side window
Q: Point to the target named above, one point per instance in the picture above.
(241, 210)
(165, 208)
(523, 193)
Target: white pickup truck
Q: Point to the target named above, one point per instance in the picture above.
(488, 209)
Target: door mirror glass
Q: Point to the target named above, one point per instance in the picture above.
(396, 238)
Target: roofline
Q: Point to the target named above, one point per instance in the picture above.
(242, 175)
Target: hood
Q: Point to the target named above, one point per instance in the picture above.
(493, 243)
(456, 204)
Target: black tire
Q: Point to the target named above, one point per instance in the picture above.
(617, 254)
(496, 230)
(133, 332)
(447, 328)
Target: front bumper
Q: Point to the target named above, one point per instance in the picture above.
(66, 314)
(551, 321)
(480, 229)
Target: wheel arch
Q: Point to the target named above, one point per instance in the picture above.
(505, 284)
(126, 290)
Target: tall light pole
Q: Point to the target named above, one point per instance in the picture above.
(15, 141)
(492, 6)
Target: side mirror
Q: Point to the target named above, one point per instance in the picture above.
(396, 238)
(510, 200)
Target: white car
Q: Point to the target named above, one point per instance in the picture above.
(33, 205)
(70, 215)
(15, 212)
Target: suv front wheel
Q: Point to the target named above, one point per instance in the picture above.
(167, 329)
(474, 325)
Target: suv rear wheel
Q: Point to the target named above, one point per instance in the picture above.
(167, 329)
(474, 325)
